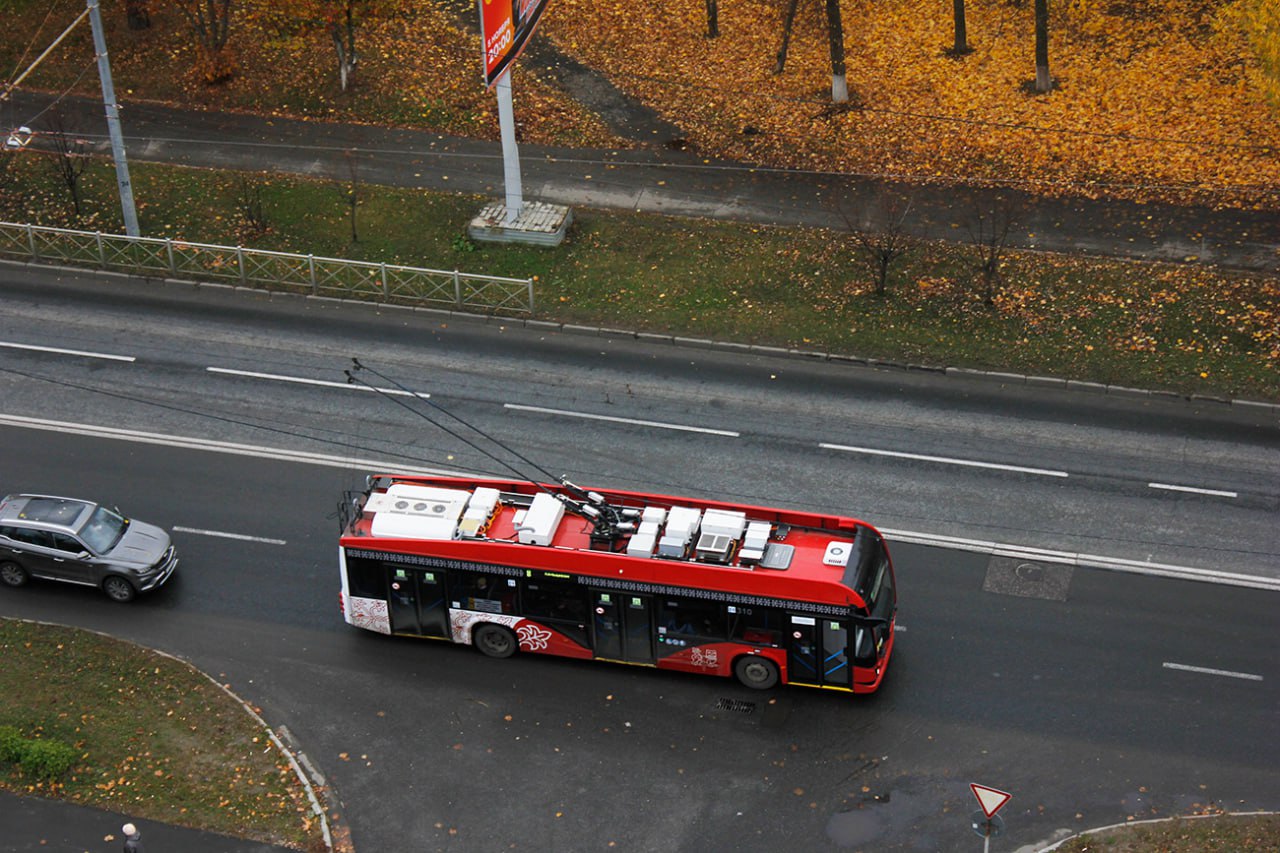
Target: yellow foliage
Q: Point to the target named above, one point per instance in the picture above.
(1142, 108)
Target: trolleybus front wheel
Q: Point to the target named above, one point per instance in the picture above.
(756, 671)
(495, 641)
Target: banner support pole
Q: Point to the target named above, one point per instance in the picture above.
(510, 152)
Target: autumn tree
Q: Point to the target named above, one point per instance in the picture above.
(138, 14)
(1043, 81)
(338, 19)
(787, 24)
(1260, 21)
(835, 35)
(713, 18)
(210, 21)
(961, 46)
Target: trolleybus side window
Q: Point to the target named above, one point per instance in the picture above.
(685, 617)
(366, 578)
(554, 598)
(760, 625)
(483, 592)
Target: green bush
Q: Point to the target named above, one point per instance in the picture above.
(39, 758)
(11, 744)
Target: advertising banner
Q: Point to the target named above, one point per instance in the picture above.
(505, 28)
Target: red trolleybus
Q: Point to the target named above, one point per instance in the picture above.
(767, 595)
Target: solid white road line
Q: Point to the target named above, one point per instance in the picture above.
(658, 424)
(378, 465)
(1072, 558)
(1203, 670)
(1219, 493)
(60, 351)
(946, 460)
(222, 535)
(276, 377)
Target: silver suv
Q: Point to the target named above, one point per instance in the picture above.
(81, 542)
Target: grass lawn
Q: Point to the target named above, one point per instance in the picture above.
(1221, 834)
(155, 738)
(158, 740)
(1185, 329)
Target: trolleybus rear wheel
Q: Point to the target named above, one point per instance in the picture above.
(495, 641)
(756, 671)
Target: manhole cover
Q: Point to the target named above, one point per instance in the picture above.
(736, 705)
(1027, 579)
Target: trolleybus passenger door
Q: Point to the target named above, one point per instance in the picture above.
(622, 627)
(637, 643)
(606, 623)
(433, 619)
(402, 602)
(416, 601)
(802, 651)
(817, 652)
(836, 671)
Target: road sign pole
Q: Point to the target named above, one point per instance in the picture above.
(985, 822)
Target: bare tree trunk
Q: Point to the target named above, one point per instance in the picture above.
(345, 48)
(137, 14)
(1043, 81)
(962, 41)
(835, 35)
(786, 36)
(69, 158)
(989, 237)
(880, 239)
(211, 22)
(713, 18)
(353, 193)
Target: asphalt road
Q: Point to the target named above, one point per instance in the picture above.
(1145, 480)
(1091, 695)
(1061, 694)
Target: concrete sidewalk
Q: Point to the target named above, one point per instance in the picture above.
(660, 180)
(30, 824)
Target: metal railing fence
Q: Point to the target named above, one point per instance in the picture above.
(258, 268)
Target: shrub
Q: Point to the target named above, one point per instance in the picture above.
(42, 759)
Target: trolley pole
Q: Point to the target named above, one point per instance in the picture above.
(113, 121)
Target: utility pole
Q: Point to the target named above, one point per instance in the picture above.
(113, 122)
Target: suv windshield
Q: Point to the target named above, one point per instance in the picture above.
(103, 530)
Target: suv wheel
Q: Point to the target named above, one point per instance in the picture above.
(11, 574)
(118, 589)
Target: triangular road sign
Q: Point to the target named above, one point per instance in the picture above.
(990, 799)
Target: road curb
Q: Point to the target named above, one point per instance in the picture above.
(852, 360)
(1055, 845)
(317, 809)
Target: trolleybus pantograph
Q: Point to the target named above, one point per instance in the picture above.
(771, 596)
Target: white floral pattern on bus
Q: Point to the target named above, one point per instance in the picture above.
(462, 621)
(369, 613)
(704, 658)
(533, 638)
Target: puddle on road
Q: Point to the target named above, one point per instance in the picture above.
(880, 816)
